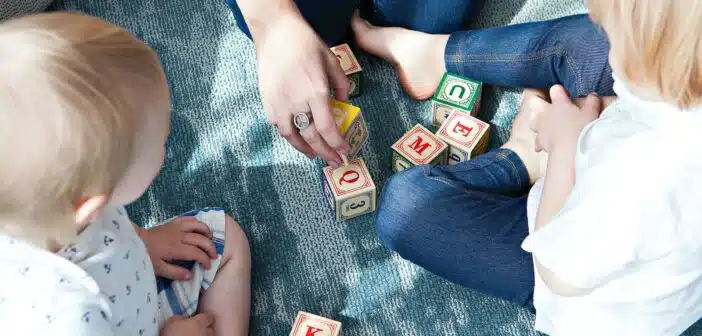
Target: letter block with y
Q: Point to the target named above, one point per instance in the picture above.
(466, 136)
(350, 190)
(349, 64)
(455, 93)
(307, 324)
(417, 147)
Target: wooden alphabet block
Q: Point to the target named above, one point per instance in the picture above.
(455, 93)
(417, 147)
(307, 324)
(351, 67)
(352, 126)
(466, 136)
(350, 190)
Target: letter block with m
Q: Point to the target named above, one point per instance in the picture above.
(307, 324)
(417, 147)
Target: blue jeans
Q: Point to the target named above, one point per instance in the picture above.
(464, 223)
(571, 51)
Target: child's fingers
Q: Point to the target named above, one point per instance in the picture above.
(171, 271)
(190, 224)
(189, 252)
(202, 242)
(593, 104)
(206, 320)
(559, 94)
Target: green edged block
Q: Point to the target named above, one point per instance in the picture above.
(455, 93)
(355, 80)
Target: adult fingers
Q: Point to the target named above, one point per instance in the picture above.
(202, 242)
(171, 271)
(205, 320)
(337, 78)
(324, 122)
(287, 130)
(315, 140)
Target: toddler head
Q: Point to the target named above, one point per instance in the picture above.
(656, 46)
(84, 110)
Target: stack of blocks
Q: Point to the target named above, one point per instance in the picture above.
(349, 189)
(352, 69)
(307, 324)
(460, 137)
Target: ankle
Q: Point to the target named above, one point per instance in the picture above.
(532, 161)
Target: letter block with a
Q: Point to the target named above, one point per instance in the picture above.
(351, 67)
(417, 147)
(466, 136)
(352, 126)
(350, 190)
(455, 93)
(307, 324)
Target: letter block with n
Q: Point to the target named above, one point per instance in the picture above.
(466, 137)
(307, 324)
(349, 190)
(417, 147)
(455, 93)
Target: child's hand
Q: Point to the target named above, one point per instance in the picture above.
(561, 121)
(183, 238)
(199, 325)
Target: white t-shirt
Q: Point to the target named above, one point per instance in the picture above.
(102, 284)
(631, 230)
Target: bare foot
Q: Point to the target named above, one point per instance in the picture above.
(522, 141)
(417, 57)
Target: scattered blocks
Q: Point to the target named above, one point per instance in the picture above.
(351, 67)
(455, 93)
(307, 324)
(350, 190)
(417, 147)
(466, 136)
(352, 126)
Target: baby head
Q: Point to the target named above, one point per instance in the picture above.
(656, 46)
(85, 117)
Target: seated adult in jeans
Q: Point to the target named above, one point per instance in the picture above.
(296, 69)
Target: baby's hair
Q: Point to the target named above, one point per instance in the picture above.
(71, 89)
(656, 42)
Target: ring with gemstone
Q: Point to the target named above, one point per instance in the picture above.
(302, 120)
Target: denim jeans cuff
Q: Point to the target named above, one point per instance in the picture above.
(517, 168)
(456, 50)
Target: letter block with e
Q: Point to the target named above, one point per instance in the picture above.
(417, 147)
(307, 324)
(349, 64)
(350, 190)
(466, 136)
(455, 93)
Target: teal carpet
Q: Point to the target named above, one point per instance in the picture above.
(223, 153)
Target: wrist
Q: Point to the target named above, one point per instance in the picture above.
(261, 16)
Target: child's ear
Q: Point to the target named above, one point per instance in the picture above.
(87, 209)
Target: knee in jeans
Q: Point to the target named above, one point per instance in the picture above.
(400, 207)
(236, 245)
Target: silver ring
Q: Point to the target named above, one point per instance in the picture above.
(302, 120)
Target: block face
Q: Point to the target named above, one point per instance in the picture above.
(344, 115)
(329, 195)
(399, 163)
(307, 324)
(459, 92)
(351, 189)
(419, 146)
(456, 155)
(347, 60)
(463, 131)
(439, 113)
(355, 81)
(356, 136)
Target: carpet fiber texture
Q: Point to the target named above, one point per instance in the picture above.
(222, 152)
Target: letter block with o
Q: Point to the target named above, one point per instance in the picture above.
(350, 190)
(417, 147)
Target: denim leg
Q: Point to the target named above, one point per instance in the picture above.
(572, 51)
(465, 223)
(330, 19)
(429, 16)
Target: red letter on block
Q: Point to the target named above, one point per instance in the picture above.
(462, 129)
(418, 146)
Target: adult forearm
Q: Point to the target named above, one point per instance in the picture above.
(258, 13)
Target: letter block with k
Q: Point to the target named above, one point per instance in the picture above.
(466, 136)
(455, 93)
(350, 190)
(417, 147)
(307, 324)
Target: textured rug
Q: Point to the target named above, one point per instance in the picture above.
(223, 153)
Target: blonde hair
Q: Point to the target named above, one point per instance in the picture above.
(656, 42)
(70, 85)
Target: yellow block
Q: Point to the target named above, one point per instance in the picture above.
(344, 115)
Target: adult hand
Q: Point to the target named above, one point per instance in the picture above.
(184, 238)
(199, 325)
(561, 121)
(296, 71)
